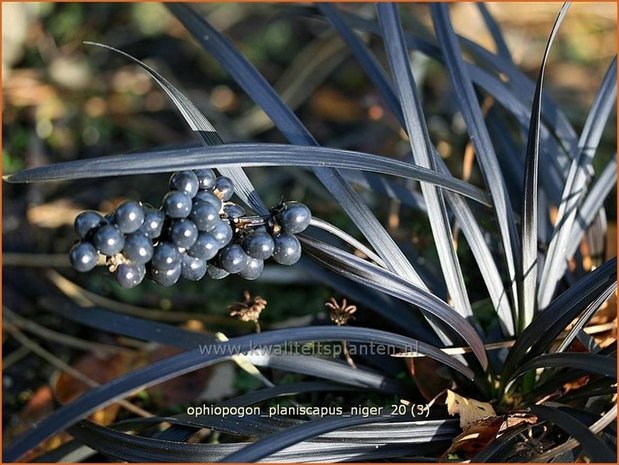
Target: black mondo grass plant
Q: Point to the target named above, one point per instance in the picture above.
(503, 323)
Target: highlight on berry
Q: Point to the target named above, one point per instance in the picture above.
(197, 232)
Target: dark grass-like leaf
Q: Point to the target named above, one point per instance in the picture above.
(177, 337)
(143, 449)
(501, 448)
(371, 275)
(575, 185)
(547, 325)
(395, 311)
(195, 359)
(387, 187)
(480, 139)
(366, 59)
(595, 449)
(203, 129)
(273, 443)
(495, 32)
(522, 90)
(463, 214)
(421, 147)
(528, 268)
(591, 363)
(249, 155)
(586, 316)
(254, 84)
(592, 205)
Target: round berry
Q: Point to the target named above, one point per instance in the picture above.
(177, 204)
(109, 240)
(208, 197)
(185, 181)
(86, 222)
(83, 256)
(214, 272)
(204, 215)
(153, 223)
(193, 268)
(294, 217)
(233, 258)
(287, 249)
(167, 277)
(129, 216)
(233, 210)
(138, 247)
(253, 269)
(183, 233)
(222, 232)
(130, 275)
(259, 245)
(206, 178)
(224, 188)
(166, 256)
(205, 247)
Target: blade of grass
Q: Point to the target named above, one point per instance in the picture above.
(478, 133)
(373, 276)
(195, 359)
(463, 214)
(263, 94)
(595, 449)
(575, 185)
(592, 205)
(421, 147)
(251, 155)
(203, 129)
(547, 325)
(528, 267)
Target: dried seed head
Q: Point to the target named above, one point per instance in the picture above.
(249, 309)
(340, 313)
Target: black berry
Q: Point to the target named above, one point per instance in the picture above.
(224, 188)
(183, 233)
(193, 268)
(222, 232)
(204, 215)
(294, 217)
(83, 256)
(177, 204)
(166, 256)
(287, 249)
(206, 178)
(259, 245)
(129, 216)
(209, 197)
(138, 247)
(109, 240)
(233, 258)
(130, 275)
(86, 222)
(153, 223)
(167, 277)
(253, 269)
(185, 181)
(205, 247)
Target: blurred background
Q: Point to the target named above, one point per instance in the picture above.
(65, 100)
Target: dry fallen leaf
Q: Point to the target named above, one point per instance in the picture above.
(470, 410)
(479, 434)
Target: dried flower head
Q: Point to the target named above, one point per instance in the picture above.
(249, 309)
(340, 313)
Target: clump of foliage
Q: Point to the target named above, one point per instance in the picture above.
(537, 298)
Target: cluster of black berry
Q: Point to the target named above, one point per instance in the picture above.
(198, 231)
